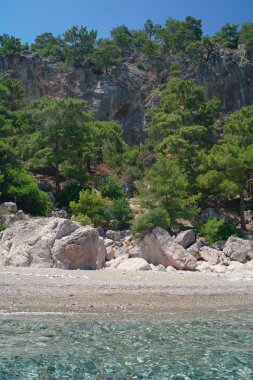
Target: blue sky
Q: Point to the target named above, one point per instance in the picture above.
(28, 18)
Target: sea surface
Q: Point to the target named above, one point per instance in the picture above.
(218, 345)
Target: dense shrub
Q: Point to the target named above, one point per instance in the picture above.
(84, 219)
(214, 230)
(91, 205)
(69, 193)
(112, 188)
(20, 187)
(154, 218)
(121, 213)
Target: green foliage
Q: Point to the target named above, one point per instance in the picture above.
(246, 37)
(11, 93)
(10, 45)
(91, 205)
(132, 155)
(79, 44)
(228, 36)
(106, 54)
(11, 100)
(228, 165)
(183, 125)
(239, 127)
(54, 134)
(176, 35)
(226, 172)
(111, 188)
(187, 99)
(92, 208)
(144, 224)
(166, 186)
(201, 51)
(151, 29)
(140, 65)
(47, 45)
(183, 103)
(227, 169)
(83, 219)
(121, 37)
(175, 69)
(214, 230)
(105, 143)
(21, 188)
(121, 213)
(2, 226)
(70, 192)
(143, 44)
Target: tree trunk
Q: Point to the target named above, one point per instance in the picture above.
(88, 165)
(242, 207)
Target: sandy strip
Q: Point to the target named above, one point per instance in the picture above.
(115, 293)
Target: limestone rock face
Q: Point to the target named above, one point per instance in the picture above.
(239, 249)
(160, 248)
(134, 264)
(125, 93)
(186, 238)
(51, 242)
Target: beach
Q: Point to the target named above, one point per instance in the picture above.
(118, 293)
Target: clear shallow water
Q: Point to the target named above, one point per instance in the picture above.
(217, 346)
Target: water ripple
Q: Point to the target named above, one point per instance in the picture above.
(53, 346)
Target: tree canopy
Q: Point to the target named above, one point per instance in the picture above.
(79, 47)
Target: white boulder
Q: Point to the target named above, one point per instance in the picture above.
(134, 264)
(113, 264)
(238, 249)
(160, 248)
(52, 242)
(213, 256)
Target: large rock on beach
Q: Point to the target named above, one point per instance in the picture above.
(186, 238)
(51, 242)
(194, 249)
(238, 249)
(160, 248)
(113, 264)
(213, 256)
(134, 264)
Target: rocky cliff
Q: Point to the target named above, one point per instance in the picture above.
(127, 93)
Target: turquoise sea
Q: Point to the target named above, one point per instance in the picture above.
(176, 347)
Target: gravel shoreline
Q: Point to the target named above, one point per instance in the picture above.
(116, 293)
